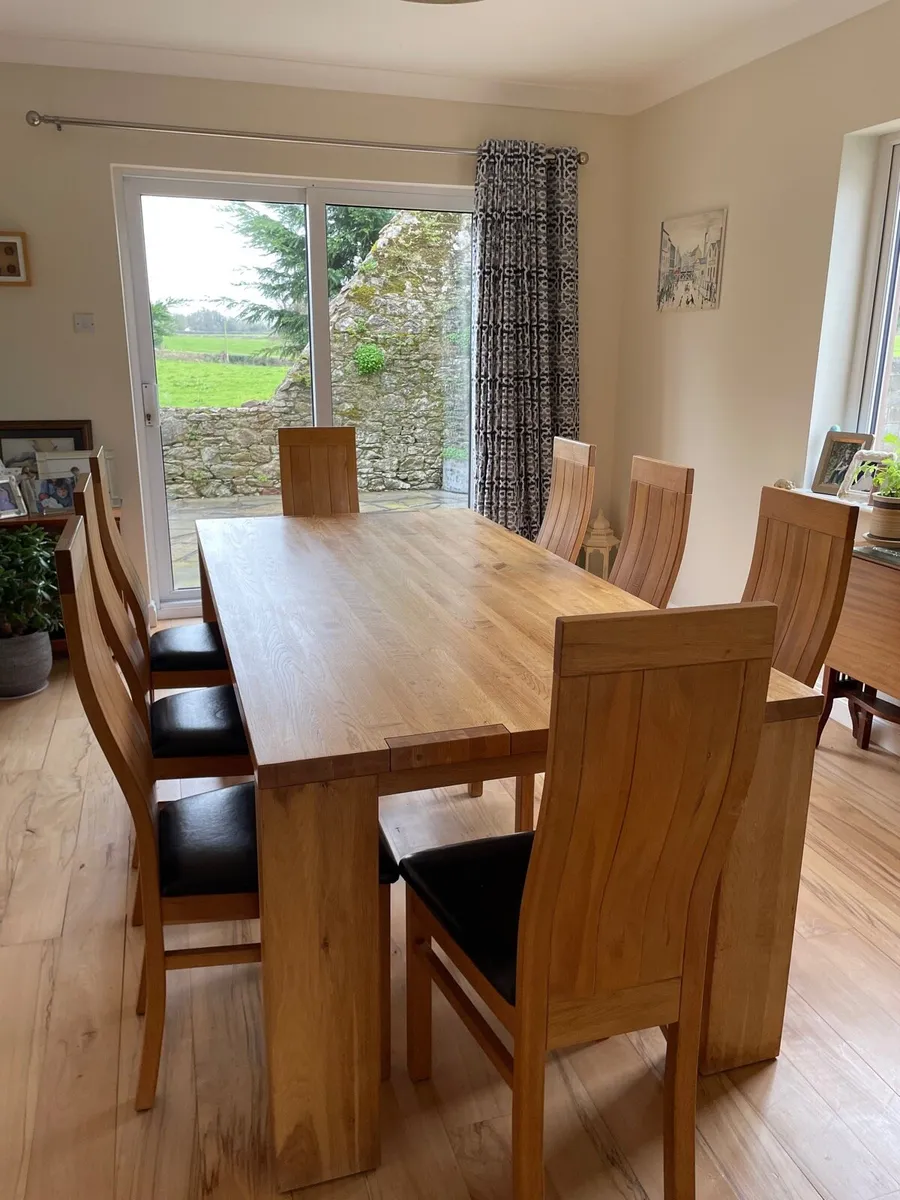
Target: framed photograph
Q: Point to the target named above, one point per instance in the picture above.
(56, 496)
(690, 262)
(20, 441)
(14, 260)
(12, 503)
(837, 455)
(858, 482)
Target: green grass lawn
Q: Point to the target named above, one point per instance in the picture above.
(214, 385)
(214, 343)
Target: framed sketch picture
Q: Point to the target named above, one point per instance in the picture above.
(690, 261)
(14, 260)
(837, 455)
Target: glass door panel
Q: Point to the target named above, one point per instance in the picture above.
(229, 320)
(400, 321)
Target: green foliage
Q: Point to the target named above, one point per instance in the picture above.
(454, 454)
(201, 343)
(369, 359)
(214, 384)
(279, 231)
(29, 594)
(886, 474)
(162, 321)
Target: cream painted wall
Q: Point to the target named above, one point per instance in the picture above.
(731, 391)
(57, 187)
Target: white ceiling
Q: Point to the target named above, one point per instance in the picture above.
(588, 55)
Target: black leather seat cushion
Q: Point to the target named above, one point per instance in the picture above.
(207, 844)
(475, 889)
(188, 648)
(197, 724)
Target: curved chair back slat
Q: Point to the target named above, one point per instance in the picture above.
(318, 471)
(801, 563)
(659, 509)
(121, 567)
(571, 495)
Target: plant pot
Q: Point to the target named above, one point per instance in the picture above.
(25, 664)
(885, 521)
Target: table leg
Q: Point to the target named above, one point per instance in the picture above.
(753, 926)
(318, 860)
(207, 608)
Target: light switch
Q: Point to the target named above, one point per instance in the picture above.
(84, 322)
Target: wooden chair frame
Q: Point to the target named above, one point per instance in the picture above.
(129, 586)
(124, 741)
(615, 918)
(571, 496)
(801, 562)
(318, 471)
(659, 509)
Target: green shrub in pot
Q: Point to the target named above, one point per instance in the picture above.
(29, 609)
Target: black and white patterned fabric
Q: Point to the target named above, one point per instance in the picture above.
(525, 371)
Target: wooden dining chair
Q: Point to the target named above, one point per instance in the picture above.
(177, 657)
(598, 923)
(571, 496)
(659, 509)
(801, 563)
(197, 855)
(318, 471)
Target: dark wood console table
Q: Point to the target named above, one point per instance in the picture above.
(864, 658)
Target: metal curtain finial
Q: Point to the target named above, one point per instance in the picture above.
(35, 118)
(583, 158)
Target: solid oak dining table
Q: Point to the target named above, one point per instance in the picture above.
(389, 652)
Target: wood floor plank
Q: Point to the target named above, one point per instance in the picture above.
(36, 904)
(73, 1149)
(26, 987)
(16, 797)
(26, 725)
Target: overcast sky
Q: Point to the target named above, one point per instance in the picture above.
(192, 254)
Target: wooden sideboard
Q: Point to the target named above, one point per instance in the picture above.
(864, 658)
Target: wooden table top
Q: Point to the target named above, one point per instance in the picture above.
(350, 637)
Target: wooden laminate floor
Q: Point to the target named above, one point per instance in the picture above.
(824, 1121)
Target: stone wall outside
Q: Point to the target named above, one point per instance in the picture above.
(410, 299)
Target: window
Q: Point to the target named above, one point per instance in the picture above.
(880, 402)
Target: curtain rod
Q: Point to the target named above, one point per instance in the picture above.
(35, 119)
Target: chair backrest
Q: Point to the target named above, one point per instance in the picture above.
(118, 627)
(121, 567)
(659, 509)
(113, 718)
(318, 471)
(654, 732)
(801, 562)
(571, 496)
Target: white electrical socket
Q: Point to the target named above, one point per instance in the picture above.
(84, 322)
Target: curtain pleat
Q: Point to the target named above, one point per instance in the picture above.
(525, 368)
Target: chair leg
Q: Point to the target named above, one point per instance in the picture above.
(137, 913)
(141, 1006)
(476, 789)
(155, 1019)
(829, 691)
(134, 855)
(384, 956)
(524, 803)
(680, 1117)
(418, 995)
(528, 1122)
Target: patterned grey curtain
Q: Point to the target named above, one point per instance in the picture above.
(525, 370)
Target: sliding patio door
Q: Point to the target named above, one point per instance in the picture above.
(256, 306)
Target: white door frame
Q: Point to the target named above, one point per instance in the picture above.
(129, 184)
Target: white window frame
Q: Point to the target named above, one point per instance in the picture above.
(129, 183)
(878, 320)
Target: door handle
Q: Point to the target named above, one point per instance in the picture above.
(150, 400)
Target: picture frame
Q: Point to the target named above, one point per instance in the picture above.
(14, 269)
(12, 502)
(860, 489)
(691, 251)
(838, 451)
(20, 441)
(56, 497)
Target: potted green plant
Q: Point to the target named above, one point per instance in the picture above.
(885, 523)
(29, 609)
